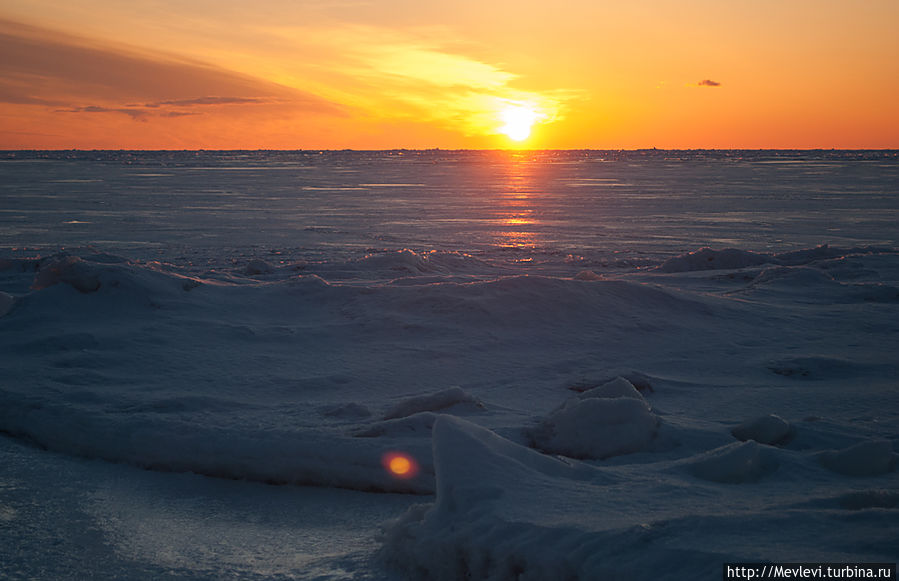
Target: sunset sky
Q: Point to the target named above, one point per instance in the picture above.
(379, 74)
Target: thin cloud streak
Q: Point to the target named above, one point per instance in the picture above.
(52, 69)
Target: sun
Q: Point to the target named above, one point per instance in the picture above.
(518, 121)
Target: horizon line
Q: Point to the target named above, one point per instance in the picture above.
(495, 149)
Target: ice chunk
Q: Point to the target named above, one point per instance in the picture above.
(770, 429)
(734, 463)
(868, 458)
(432, 402)
(597, 428)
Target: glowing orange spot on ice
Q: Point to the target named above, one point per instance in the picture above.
(400, 465)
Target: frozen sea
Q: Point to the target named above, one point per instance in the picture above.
(630, 365)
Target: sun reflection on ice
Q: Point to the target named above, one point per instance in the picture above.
(517, 208)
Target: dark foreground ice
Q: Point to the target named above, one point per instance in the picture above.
(601, 365)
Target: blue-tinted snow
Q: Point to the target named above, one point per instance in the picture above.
(605, 364)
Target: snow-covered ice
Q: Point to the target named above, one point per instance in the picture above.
(210, 357)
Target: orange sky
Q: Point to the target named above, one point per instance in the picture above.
(380, 74)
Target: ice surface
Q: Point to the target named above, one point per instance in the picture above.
(643, 381)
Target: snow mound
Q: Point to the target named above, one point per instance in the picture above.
(432, 402)
(710, 259)
(770, 429)
(868, 458)
(92, 273)
(597, 427)
(71, 270)
(258, 266)
(640, 381)
(587, 275)
(734, 463)
(618, 387)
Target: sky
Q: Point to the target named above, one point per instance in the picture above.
(460, 74)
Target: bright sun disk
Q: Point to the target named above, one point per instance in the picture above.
(518, 121)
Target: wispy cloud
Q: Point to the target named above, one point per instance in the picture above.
(212, 101)
(171, 108)
(708, 83)
(71, 74)
(134, 113)
(426, 76)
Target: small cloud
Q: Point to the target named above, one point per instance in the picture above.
(210, 101)
(708, 83)
(133, 113)
(162, 108)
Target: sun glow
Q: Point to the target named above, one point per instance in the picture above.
(518, 121)
(400, 465)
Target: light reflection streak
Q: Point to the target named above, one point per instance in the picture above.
(517, 205)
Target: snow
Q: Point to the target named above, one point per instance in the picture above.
(597, 427)
(710, 259)
(642, 382)
(6, 303)
(735, 463)
(618, 387)
(867, 458)
(70, 270)
(770, 429)
(258, 266)
(441, 400)
(502, 511)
